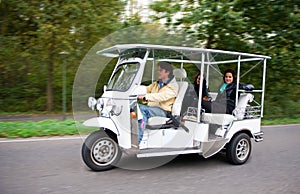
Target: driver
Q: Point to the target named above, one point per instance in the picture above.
(160, 96)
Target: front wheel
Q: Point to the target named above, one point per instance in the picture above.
(239, 149)
(100, 152)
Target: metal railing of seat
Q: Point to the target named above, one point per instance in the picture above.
(191, 114)
(252, 112)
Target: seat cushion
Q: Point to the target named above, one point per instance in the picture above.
(218, 119)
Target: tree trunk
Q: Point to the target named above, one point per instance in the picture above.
(50, 79)
(50, 87)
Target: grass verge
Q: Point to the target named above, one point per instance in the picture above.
(42, 128)
(281, 121)
(31, 113)
(26, 129)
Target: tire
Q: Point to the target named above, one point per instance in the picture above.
(100, 152)
(239, 149)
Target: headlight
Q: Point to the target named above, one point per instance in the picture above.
(92, 103)
(100, 104)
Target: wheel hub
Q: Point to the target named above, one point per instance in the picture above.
(103, 151)
(242, 149)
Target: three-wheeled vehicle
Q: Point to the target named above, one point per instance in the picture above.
(193, 131)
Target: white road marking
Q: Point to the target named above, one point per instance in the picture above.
(42, 139)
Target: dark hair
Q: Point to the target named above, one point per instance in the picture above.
(229, 71)
(196, 77)
(166, 66)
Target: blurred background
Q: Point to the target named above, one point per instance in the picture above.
(43, 43)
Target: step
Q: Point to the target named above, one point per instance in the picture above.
(166, 152)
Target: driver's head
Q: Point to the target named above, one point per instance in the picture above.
(165, 70)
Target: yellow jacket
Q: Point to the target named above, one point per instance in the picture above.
(163, 97)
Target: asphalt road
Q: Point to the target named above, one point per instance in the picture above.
(56, 167)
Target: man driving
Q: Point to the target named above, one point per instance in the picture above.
(160, 96)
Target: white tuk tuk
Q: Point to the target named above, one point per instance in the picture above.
(193, 131)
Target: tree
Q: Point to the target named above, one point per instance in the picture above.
(33, 34)
(273, 30)
(254, 26)
(210, 21)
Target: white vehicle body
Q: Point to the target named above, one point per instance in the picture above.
(194, 135)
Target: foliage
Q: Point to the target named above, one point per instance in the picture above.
(33, 33)
(265, 27)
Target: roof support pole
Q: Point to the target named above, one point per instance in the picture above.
(263, 88)
(238, 80)
(200, 87)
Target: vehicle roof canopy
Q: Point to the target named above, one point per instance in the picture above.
(190, 54)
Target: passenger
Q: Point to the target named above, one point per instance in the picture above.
(225, 101)
(191, 97)
(160, 96)
(205, 95)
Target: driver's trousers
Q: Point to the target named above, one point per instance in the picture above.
(148, 111)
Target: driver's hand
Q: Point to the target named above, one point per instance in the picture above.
(140, 97)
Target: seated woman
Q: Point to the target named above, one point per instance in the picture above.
(205, 95)
(192, 95)
(225, 101)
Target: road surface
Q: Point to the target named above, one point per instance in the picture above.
(55, 166)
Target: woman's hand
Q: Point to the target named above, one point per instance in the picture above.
(205, 98)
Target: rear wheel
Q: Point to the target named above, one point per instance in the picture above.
(239, 149)
(100, 152)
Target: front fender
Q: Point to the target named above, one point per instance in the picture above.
(102, 122)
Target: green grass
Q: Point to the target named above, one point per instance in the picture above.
(26, 129)
(281, 121)
(42, 128)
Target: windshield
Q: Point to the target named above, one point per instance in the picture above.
(123, 76)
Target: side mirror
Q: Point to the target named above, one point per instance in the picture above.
(92, 102)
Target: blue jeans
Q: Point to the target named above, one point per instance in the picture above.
(148, 111)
